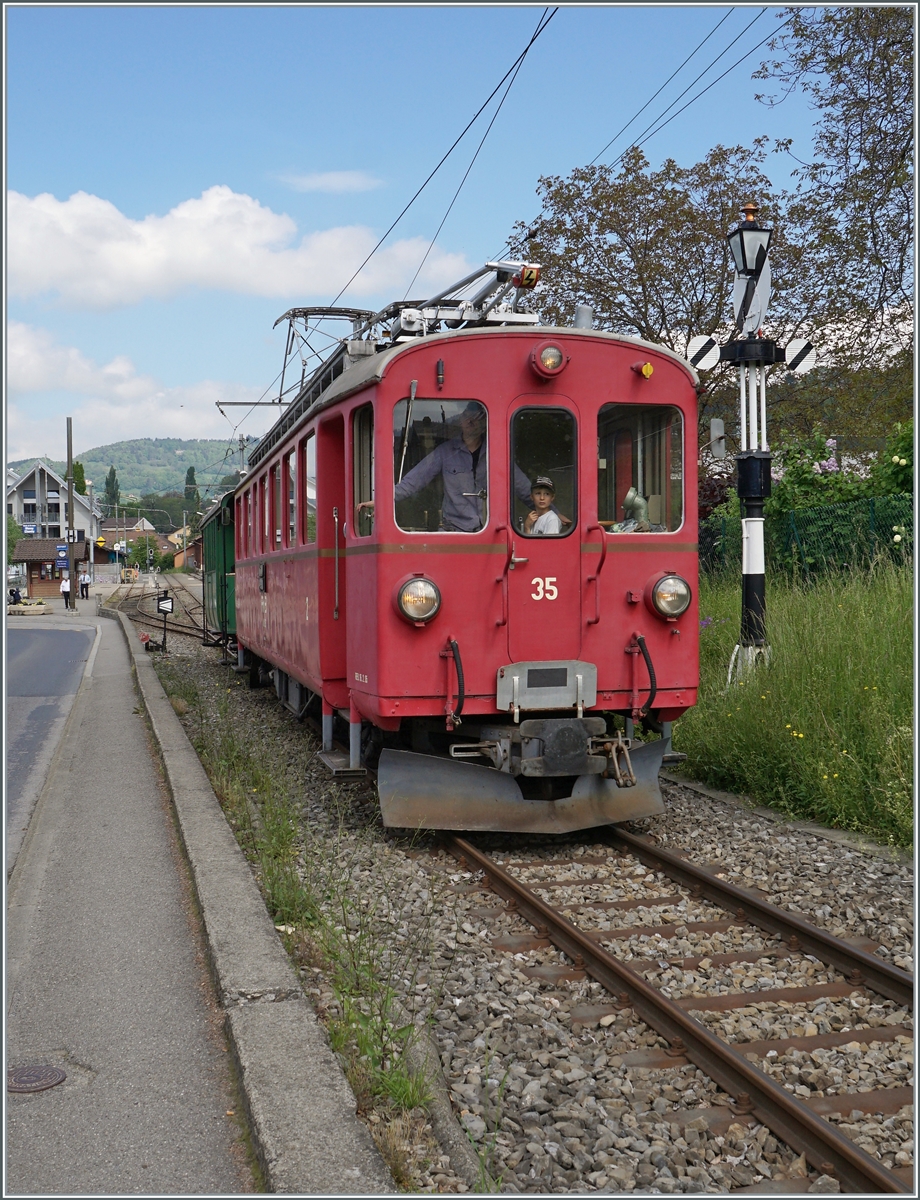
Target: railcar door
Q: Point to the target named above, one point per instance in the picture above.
(543, 568)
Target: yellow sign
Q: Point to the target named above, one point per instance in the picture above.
(100, 541)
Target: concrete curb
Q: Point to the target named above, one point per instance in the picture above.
(300, 1107)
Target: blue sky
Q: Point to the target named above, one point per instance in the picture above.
(177, 177)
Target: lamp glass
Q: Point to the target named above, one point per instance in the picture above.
(749, 247)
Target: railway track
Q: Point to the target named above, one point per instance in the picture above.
(654, 972)
(138, 603)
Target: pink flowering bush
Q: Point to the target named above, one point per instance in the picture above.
(806, 473)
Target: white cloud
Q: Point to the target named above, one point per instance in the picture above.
(90, 255)
(110, 402)
(333, 181)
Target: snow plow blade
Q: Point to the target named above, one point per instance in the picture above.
(419, 791)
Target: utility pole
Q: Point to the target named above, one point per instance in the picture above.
(93, 532)
(71, 528)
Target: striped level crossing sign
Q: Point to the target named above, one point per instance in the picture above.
(703, 352)
(801, 356)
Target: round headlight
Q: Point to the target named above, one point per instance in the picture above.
(548, 359)
(418, 600)
(671, 596)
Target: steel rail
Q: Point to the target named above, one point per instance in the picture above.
(876, 974)
(754, 1091)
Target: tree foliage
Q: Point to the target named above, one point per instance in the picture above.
(164, 512)
(646, 249)
(79, 478)
(144, 551)
(112, 490)
(13, 535)
(855, 201)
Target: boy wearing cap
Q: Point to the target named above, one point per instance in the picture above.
(543, 521)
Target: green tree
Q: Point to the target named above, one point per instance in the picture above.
(112, 490)
(79, 478)
(646, 249)
(13, 534)
(144, 552)
(855, 201)
(192, 495)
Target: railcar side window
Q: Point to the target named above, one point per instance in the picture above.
(276, 503)
(364, 472)
(308, 475)
(640, 468)
(263, 504)
(544, 484)
(291, 472)
(440, 465)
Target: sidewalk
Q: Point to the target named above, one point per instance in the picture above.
(107, 977)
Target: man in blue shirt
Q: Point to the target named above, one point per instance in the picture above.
(463, 466)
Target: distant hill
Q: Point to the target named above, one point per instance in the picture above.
(152, 464)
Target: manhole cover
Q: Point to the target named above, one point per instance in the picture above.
(33, 1079)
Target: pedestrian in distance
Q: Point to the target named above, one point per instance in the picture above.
(84, 584)
(65, 590)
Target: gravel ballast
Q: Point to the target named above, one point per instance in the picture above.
(547, 1095)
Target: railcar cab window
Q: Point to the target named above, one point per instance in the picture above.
(639, 468)
(544, 491)
(440, 465)
(364, 472)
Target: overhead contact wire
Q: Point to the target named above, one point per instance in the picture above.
(663, 86)
(453, 147)
(541, 24)
(655, 129)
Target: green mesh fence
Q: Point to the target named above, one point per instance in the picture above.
(828, 537)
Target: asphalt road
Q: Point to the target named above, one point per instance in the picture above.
(106, 976)
(43, 671)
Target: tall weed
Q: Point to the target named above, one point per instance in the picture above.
(824, 730)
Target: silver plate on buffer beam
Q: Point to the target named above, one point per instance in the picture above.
(544, 686)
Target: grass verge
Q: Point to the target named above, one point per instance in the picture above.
(824, 731)
(351, 926)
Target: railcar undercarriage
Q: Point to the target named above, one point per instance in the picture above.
(547, 775)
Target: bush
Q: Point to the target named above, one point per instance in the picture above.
(893, 471)
(806, 473)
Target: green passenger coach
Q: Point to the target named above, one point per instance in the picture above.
(219, 573)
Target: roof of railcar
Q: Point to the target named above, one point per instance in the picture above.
(373, 368)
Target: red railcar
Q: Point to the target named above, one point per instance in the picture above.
(477, 547)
